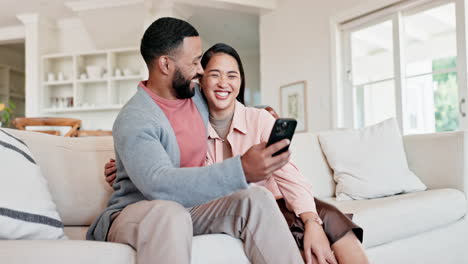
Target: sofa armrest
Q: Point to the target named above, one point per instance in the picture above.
(439, 159)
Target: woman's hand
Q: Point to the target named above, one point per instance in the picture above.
(316, 242)
(110, 172)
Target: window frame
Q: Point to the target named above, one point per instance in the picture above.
(341, 26)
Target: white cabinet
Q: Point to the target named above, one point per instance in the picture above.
(93, 81)
(12, 87)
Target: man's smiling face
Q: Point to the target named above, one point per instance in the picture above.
(187, 67)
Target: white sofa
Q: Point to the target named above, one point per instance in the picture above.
(425, 227)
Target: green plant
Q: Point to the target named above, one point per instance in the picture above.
(445, 95)
(6, 113)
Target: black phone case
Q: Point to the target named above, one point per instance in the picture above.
(283, 128)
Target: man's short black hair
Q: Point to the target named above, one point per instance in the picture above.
(163, 36)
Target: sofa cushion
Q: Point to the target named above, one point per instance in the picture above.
(27, 210)
(310, 160)
(206, 249)
(369, 162)
(400, 216)
(74, 170)
(65, 251)
(218, 248)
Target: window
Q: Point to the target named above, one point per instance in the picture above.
(404, 64)
(373, 87)
(431, 92)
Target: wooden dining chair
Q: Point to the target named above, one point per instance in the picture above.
(22, 122)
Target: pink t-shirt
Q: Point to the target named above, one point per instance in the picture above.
(188, 127)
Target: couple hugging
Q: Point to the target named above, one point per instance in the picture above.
(191, 159)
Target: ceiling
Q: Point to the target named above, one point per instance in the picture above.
(54, 9)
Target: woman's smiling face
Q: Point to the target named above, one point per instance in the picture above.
(221, 82)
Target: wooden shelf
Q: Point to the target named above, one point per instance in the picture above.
(91, 81)
(106, 93)
(17, 95)
(82, 109)
(127, 78)
(11, 68)
(66, 82)
(58, 56)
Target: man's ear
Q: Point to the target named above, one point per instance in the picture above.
(164, 64)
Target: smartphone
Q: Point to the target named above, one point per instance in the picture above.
(283, 128)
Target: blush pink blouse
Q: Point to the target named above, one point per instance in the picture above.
(251, 126)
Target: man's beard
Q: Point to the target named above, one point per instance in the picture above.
(181, 86)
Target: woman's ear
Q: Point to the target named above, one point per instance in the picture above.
(164, 64)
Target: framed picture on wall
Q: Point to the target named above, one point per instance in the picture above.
(293, 103)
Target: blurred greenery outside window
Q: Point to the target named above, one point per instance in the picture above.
(445, 95)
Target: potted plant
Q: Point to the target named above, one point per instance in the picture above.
(6, 113)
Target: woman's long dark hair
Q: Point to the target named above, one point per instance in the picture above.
(228, 50)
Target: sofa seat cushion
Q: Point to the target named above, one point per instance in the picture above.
(76, 232)
(206, 249)
(400, 216)
(68, 251)
(218, 248)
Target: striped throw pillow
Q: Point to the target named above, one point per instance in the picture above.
(27, 210)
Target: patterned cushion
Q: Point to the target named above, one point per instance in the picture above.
(26, 207)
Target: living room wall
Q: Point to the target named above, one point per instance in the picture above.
(294, 46)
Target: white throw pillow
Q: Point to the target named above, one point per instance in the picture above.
(370, 162)
(26, 207)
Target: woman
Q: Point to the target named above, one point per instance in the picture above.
(322, 232)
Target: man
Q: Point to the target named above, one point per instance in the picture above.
(163, 196)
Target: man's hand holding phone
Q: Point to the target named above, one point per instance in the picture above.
(259, 163)
(261, 160)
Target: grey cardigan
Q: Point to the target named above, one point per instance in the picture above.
(148, 166)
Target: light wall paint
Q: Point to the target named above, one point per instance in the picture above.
(251, 63)
(72, 36)
(294, 46)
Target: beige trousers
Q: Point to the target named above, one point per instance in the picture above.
(161, 231)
